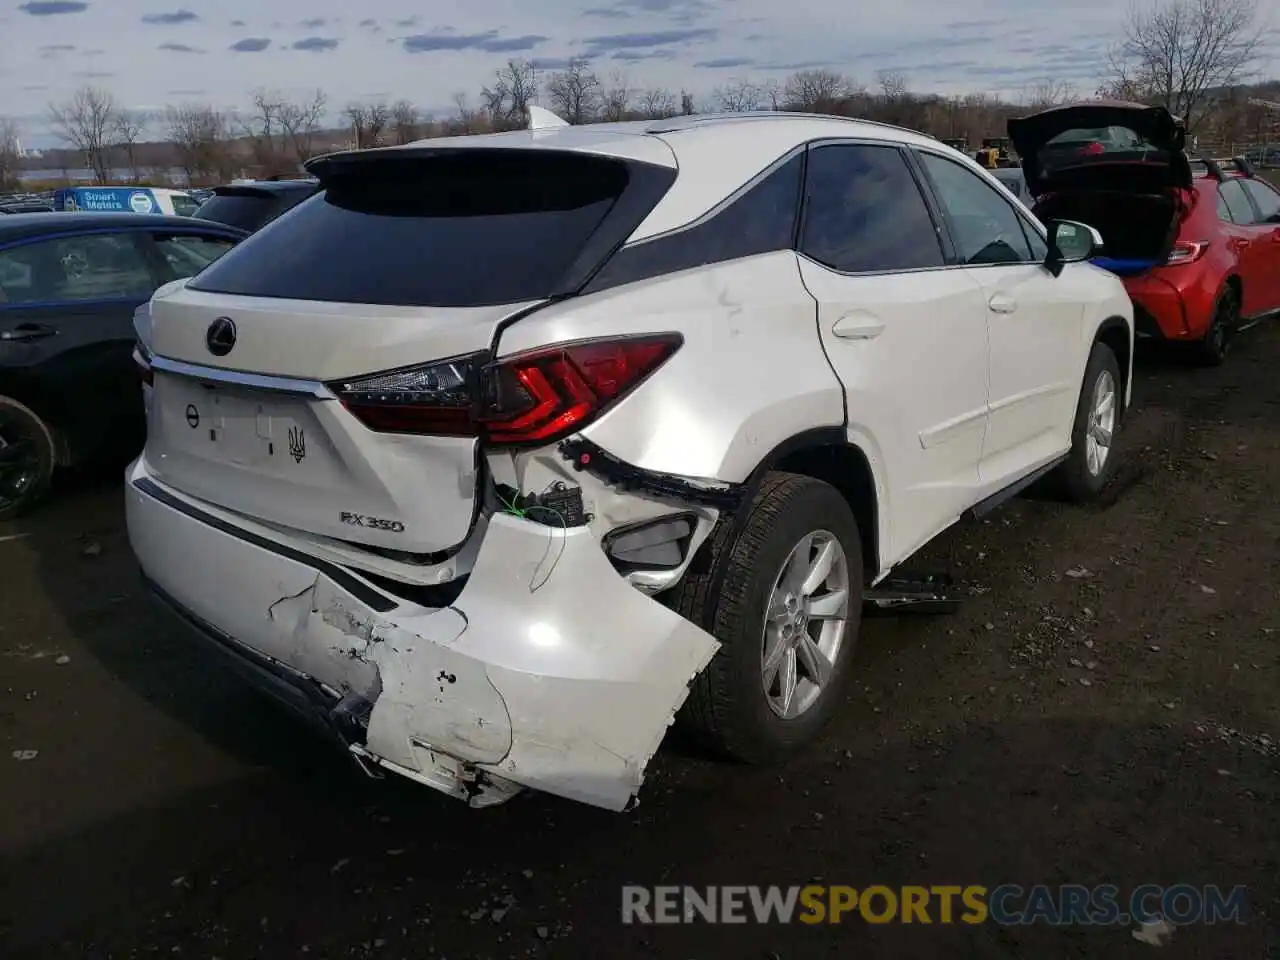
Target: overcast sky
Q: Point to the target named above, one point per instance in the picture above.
(152, 52)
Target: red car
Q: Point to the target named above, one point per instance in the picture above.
(1198, 246)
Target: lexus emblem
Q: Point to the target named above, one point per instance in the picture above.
(221, 336)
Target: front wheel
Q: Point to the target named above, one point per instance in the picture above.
(27, 455)
(784, 598)
(1091, 462)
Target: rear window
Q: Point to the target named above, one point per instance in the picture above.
(1078, 147)
(183, 205)
(246, 211)
(462, 229)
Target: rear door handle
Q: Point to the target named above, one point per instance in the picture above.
(1002, 304)
(858, 325)
(25, 332)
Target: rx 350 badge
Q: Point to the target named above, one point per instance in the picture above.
(371, 523)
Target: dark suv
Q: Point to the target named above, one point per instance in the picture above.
(252, 205)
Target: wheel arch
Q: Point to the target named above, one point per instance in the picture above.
(1117, 334)
(826, 454)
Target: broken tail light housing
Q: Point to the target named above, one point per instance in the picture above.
(542, 395)
(535, 397)
(1187, 251)
(437, 399)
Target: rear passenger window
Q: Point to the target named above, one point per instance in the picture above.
(761, 220)
(1232, 195)
(984, 227)
(864, 212)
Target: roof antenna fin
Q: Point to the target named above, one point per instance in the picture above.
(543, 119)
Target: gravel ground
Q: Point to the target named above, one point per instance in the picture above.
(1102, 709)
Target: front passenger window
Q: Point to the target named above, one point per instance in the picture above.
(984, 227)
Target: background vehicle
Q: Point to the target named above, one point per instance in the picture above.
(26, 203)
(1198, 245)
(252, 205)
(69, 285)
(1014, 181)
(159, 200)
(495, 424)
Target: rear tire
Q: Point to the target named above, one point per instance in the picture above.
(27, 456)
(1212, 350)
(1091, 462)
(747, 597)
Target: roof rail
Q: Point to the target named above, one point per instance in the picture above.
(684, 122)
(1215, 166)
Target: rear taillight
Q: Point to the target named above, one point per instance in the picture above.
(542, 395)
(1187, 251)
(142, 361)
(533, 397)
(438, 399)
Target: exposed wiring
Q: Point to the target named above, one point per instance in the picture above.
(551, 532)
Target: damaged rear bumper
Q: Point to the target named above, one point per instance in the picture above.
(548, 671)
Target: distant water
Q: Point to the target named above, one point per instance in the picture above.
(119, 176)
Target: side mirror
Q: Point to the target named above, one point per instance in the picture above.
(1071, 242)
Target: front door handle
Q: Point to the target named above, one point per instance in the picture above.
(858, 325)
(1002, 304)
(25, 332)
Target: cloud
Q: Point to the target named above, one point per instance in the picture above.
(95, 74)
(553, 63)
(407, 22)
(179, 48)
(724, 63)
(238, 23)
(638, 41)
(35, 87)
(186, 93)
(176, 16)
(49, 8)
(488, 42)
(316, 44)
(368, 23)
(635, 56)
(607, 13)
(313, 24)
(250, 45)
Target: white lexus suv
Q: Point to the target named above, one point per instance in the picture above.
(502, 451)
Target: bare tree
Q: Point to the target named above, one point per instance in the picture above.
(817, 91)
(1050, 93)
(687, 106)
(738, 96)
(1180, 51)
(507, 101)
(130, 125)
(300, 122)
(467, 119)
(369, 122)
(88, 122)
(405, 122)
(263, 129)
(617, 98)
(574, 92)
(657, 103)
(199, 136)
(893, 86)
(10, 156)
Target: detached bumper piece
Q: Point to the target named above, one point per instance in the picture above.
(548, 672)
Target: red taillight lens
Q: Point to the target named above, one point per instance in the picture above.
(1187, 252)
(436, 400)
(533, 397)
(142, 361)
(542, 395)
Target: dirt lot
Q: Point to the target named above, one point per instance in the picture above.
(1104, 709)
